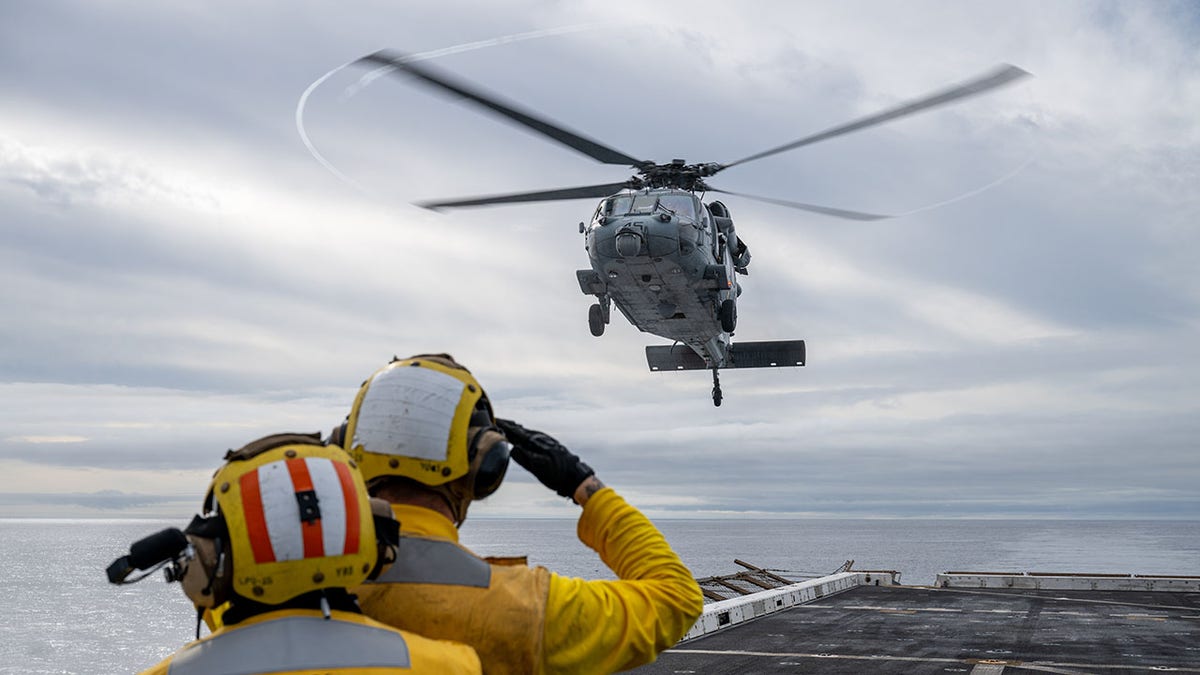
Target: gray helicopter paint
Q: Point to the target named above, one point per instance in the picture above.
(666, 272)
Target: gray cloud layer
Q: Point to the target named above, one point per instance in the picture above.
(181, 276)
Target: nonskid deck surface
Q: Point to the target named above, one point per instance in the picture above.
(897, 629)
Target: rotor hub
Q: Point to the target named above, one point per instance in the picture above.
(676, 174)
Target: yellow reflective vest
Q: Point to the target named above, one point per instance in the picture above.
(528, 620)
(300, 641)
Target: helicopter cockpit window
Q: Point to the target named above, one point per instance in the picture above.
(644, 204)
(618, 206)
(682, 206)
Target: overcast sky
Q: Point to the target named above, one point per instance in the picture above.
(181, 275)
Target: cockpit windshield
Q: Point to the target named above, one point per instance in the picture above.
(618, 206)
(681, 204)
(644, 204)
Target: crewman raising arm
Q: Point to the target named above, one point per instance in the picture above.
(424, 434)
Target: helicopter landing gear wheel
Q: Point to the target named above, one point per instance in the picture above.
(716, 389)
(596, 319)
(727, 313)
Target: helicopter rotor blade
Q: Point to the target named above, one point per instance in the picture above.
(540, 196)
(824, 210)
(571, 139)
(997, 77)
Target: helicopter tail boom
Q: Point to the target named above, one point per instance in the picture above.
(766, 354)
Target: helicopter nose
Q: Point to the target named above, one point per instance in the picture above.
(629, 244)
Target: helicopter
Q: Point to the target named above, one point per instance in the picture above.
(666, 259)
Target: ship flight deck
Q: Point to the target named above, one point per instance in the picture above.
(967, 622)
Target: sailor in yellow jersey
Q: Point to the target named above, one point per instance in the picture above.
(288, 526)
(424, 435)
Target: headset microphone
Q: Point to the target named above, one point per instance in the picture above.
(148, 553)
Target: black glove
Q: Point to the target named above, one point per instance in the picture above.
(552, 464)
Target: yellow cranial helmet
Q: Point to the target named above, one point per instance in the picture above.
(298, 519)
(413, 418)
(426, 418)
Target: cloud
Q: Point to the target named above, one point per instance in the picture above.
(111, 500)
(63, 176)
(182, 277)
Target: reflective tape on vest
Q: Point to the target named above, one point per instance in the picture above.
(292, 643)
(431, 561)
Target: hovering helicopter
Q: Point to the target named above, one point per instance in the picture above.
(667, 260)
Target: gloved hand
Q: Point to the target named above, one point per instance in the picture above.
(552, 464)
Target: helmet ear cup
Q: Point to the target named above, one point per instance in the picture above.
(492, 469)
(489, 455)
(206, 580)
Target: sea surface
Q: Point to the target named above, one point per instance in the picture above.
(59, 614)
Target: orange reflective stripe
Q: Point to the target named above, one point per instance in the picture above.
(256, 520)
(314, 543)
(349, 497)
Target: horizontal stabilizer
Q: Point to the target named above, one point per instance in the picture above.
(675, 357)
(767, 354)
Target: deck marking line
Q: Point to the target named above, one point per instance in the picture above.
(1048, 669)
(1138, 617)
(881, 608)
(873, 657)
(1045, 666)
(1058, 598)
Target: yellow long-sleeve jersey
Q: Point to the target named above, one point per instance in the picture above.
(528, 620)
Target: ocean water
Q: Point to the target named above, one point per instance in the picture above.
(59, 614)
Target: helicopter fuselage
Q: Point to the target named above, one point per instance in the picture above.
(668, 264)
